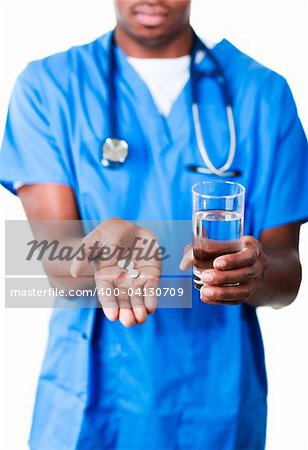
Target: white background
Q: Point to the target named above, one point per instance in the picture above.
(268, 30)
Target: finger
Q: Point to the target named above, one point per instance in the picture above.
(187, 260)
(246, 257)
(226, 293)
(126, 314)
(215, 277)
(229, 303)
(127, 317)
(150, 298)
(81, 266)
(109, 302)
(137, 303)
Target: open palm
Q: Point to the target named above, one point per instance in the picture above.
(125, 268)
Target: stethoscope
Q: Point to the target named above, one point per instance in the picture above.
(115, 151)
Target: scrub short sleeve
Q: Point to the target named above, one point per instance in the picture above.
(287, 199)
(29, 153)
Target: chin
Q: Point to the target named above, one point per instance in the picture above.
(150, 36)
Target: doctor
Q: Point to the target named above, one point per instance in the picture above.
(186, 378)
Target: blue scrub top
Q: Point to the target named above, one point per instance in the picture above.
(188, 378)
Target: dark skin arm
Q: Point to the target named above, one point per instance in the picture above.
(268, 271)
(49, 202)
(55, 204)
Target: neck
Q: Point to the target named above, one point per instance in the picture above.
(179, 45)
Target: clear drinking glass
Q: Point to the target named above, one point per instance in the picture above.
(218, 220)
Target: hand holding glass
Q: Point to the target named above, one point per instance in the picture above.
(218, 221)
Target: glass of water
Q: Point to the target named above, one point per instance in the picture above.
(218, 221)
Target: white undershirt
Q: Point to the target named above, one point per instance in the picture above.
(165, 77)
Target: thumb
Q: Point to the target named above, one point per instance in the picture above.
(90, 248)
(188, 257)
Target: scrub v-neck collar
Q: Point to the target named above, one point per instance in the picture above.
(159, 128)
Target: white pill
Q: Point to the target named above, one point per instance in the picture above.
(121, 263)
(126, 264)
(133, 273)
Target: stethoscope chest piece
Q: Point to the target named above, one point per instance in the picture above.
(114, 152)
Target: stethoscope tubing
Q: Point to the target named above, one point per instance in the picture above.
(218, 75)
